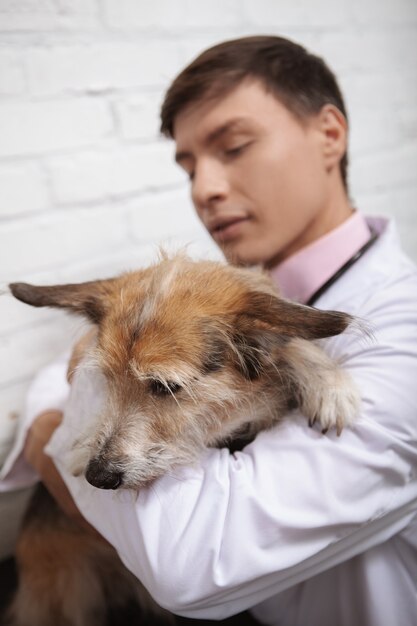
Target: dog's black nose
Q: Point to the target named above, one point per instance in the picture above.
(99, 475)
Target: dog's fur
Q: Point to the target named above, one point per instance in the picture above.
(194, 354)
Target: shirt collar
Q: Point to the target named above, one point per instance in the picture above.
(304, 272)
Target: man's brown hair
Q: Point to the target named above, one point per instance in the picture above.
(300, 80)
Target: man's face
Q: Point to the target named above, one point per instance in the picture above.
(259, 178)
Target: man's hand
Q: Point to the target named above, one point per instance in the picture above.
(38, 436)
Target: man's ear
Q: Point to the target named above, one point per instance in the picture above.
(333, 128)
(87, 299)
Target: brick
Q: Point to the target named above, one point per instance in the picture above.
(138, 116)
(193, 46)
(202, 14)
(15, 315)
(48, 15)
(166, 15)
(23, 353)
(23, 189)
(403, 207)
(384, 170)
(400, 204)
(100, 66)
(197, 246)
(38, 127)
(360, 50)
(382, 89)
(320, 13)
(169, 219)
(57, 240)
(129, 257)
(12, 79)
(128, 14)
(97, 176)
(407, 120)
(383, 130)
(375, 12)
(374, 203)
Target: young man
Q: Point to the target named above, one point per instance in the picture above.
(299, 527)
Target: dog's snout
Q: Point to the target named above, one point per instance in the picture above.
(99, 475)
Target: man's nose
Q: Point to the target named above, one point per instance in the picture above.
(101, 475)
(209, 184)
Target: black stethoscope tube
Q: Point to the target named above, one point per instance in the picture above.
(316, 295)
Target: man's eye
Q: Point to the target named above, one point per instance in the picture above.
(159, 388)
(236, 150)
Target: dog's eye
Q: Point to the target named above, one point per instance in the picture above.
(158, 388)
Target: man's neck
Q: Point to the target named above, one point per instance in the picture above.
(336, 211)
(305, 272)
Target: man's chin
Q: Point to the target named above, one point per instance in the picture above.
(242, 258)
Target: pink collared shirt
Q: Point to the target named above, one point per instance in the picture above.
(304, 272)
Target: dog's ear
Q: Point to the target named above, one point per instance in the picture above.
(253, 349)
(291, 319)
(84, 298)
(267, 323)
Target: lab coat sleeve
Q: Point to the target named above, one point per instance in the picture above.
(49, 390)
(212, 540)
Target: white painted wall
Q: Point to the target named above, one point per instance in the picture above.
(87, 186)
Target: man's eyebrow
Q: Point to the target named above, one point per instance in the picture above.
(224, 128)
(213, 136)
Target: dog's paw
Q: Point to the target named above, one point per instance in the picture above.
(335, 404)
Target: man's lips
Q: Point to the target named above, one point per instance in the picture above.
(227, 228)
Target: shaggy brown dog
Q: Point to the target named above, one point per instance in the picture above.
(194, 354)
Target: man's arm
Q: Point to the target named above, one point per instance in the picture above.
(212, 540)
(43, 413)
(48, 393)
(38, 436)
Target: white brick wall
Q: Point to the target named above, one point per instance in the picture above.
(87, 187)
(36, 128)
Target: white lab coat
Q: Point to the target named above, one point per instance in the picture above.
(307, 529)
